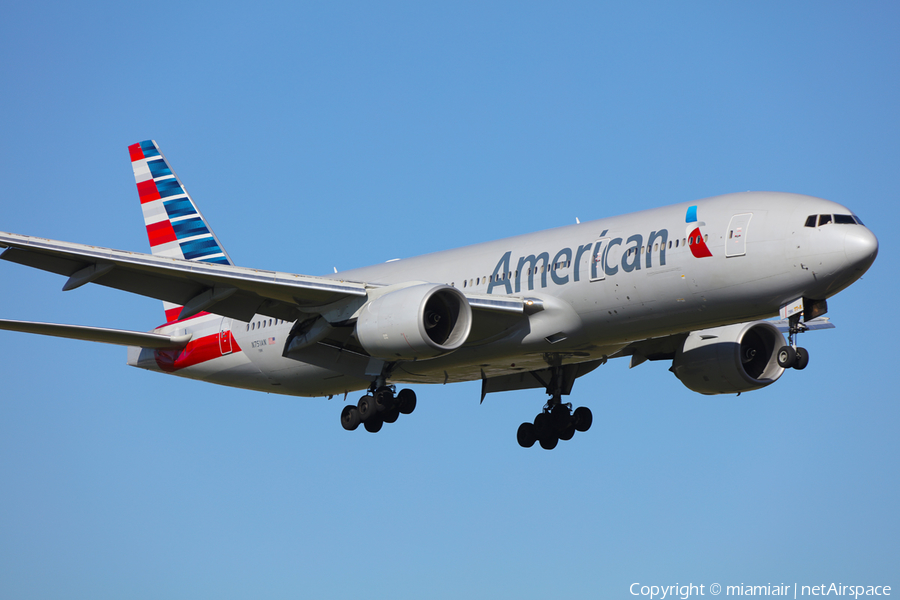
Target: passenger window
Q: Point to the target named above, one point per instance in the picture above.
(811, 221)
(706, 238)
(844, 220)
(824, 220)
(252, 325)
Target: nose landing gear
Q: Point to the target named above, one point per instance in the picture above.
(793, 355)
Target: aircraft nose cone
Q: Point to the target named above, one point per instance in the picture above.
(861, 248)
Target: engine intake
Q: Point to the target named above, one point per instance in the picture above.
(415, 323)
(730, 359)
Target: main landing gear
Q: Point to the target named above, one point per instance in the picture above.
(378, 407)
(793, 355)
(556, 422)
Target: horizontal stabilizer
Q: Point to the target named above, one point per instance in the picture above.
(99, 334)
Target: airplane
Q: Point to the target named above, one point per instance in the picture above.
(710, 285)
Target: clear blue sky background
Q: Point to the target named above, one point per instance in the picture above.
(321, 135)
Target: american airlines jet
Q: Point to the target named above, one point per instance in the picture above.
(696, 284)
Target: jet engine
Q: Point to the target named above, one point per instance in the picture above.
(414, 323)
(730, 359)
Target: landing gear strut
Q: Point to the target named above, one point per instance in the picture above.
(378, 407)
(793, 355)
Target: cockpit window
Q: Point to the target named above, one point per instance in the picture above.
(836, 219)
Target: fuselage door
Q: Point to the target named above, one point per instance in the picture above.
(225, 336)
(598, 255)
(736, 236)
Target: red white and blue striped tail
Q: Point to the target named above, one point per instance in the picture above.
(175, 227)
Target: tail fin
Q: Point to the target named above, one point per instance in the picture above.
(175, 227)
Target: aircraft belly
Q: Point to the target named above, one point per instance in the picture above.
(315, 376)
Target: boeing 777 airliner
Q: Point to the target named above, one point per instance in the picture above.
(692, 283)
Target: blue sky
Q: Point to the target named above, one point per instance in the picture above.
(316, 135)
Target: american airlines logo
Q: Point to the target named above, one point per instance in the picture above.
(695, 238)
(567, 264)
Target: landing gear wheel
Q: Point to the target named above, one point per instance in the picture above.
(583, 418)
(525, 435)
(367, 408)
(568, 432)
(350, 417)
(787, 357)
(543, 426)
(384, 398)
(802, 358)
(561, 416)
(549, 442)
(391, 415)
(373, 424)
(406, 400)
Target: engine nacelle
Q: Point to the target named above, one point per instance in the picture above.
(730, 359)
(414, 323)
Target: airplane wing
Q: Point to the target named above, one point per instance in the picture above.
(228, 290)
(99, 334)
(236, 292)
